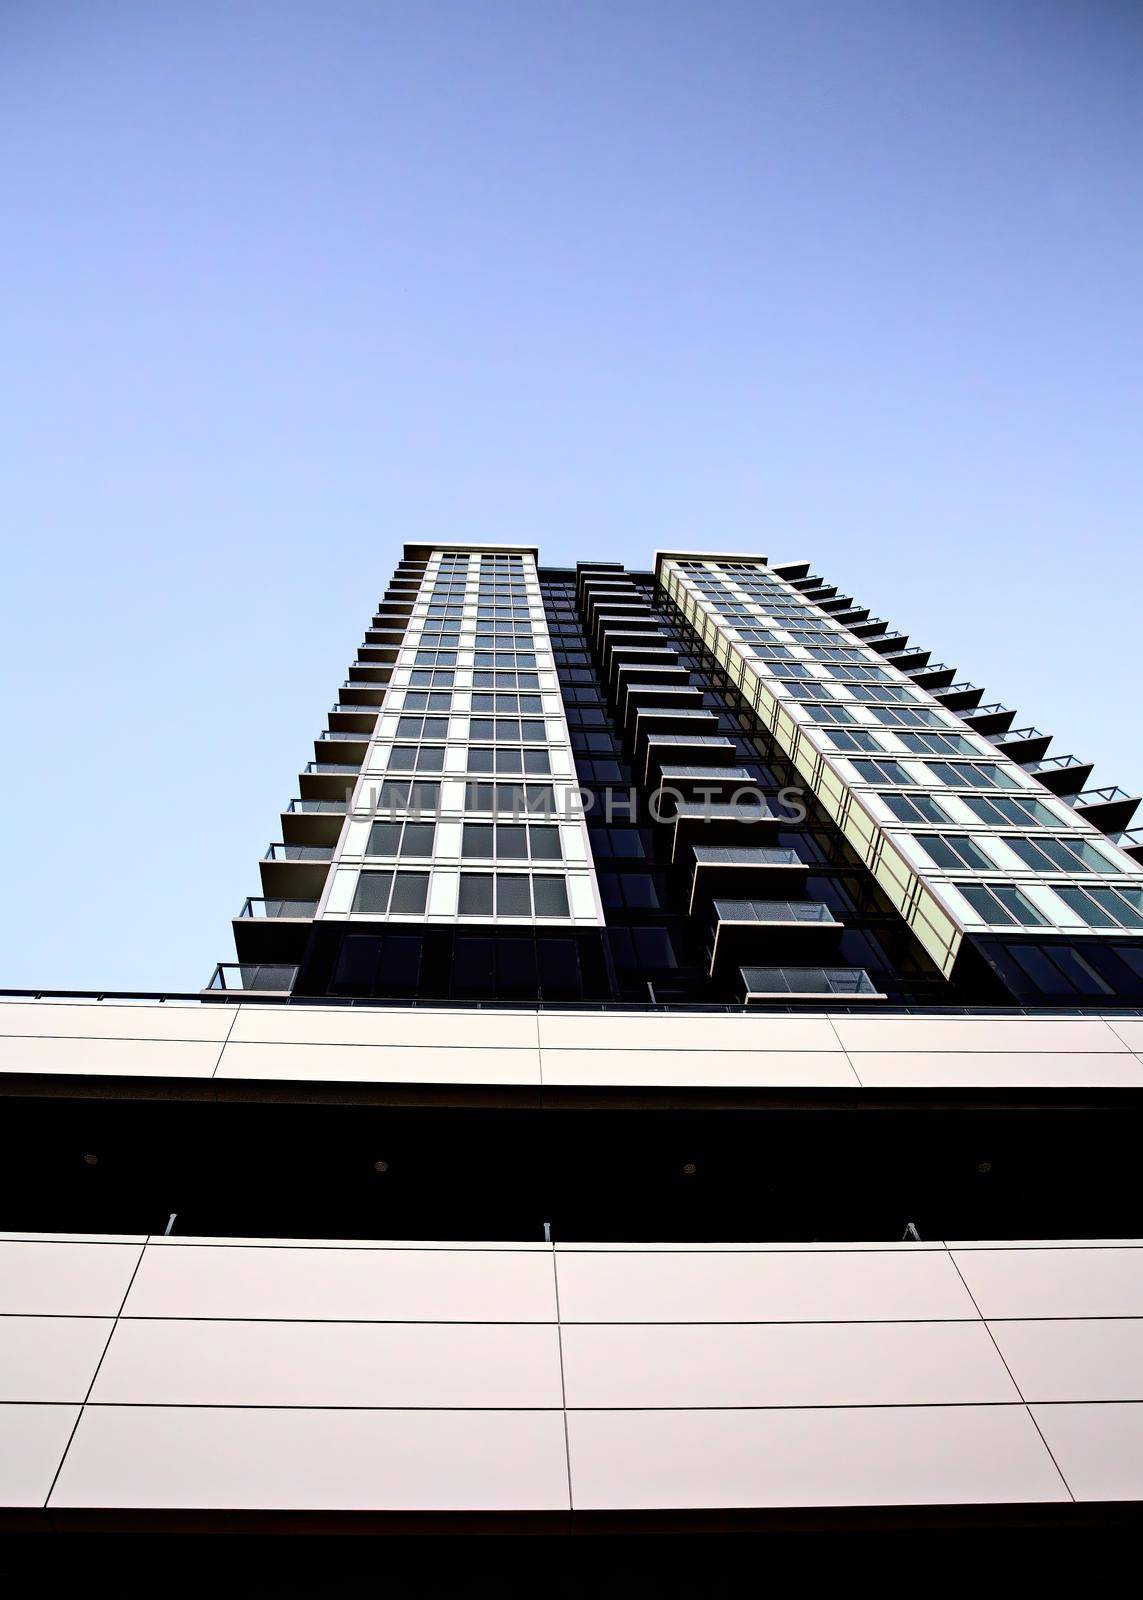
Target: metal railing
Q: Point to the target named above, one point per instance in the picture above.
(234, 977)
(772, 911)
(1105, 796)
(258, 908)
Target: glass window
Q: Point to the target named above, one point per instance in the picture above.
(1124, 906)
(914, 808)
(512, 841)
(1087, 909)
(372, 897)
(1018, 906)
(551, 896)
(475, 898)
(410, 890)
(418, 839)
(545, 844)
(1033, 857)
(384, 839)
(512, 897)
(477, 840)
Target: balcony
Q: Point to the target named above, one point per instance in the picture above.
(616, 656)
(1063, 775)
(273, 931)
(607, 626)
(313, 822)
(719, 821)
(258, 908)
(791, 570)
(707, 783)
(852, 614)
(231, 977)
(328, 780)
(870, 627)
(807, 983)
(930, 674)
(369, 672)
(745, 928)
(963, 697)
(361, 695)
(644, 672)
(720, 869)
(352, 720)
(339, 748)
(685, 720)
(1109, 809)
(663, 696)
(715, 749)
(1023, 744)
(992, 718)
(896, 649)
(295, 872)
(326, 808)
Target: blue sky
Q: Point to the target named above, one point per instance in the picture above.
(285, 284)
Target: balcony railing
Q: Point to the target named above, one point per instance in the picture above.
(322, 808)
(331, 767)
(260, 909)
(807, 980)
(1058, 764)
(1098, 797)
(233, 976)
(772, 911)
(299, 852)
(738, 855)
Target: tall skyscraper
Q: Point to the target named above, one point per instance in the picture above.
(683, 1070)
(719, 781)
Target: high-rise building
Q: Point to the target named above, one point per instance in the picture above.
(685, 1061)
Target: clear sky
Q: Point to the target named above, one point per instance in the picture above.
(284, 283)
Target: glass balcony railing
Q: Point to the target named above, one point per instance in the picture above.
(739, 855)
(299, 852)
(1058, 764)
(259, 908)
(1102, 797)
(772, 911)
(763, 982)
(245, 977)
(332, 767)
(321, 808)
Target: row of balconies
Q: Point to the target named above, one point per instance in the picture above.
(739, 885)
(270, 930)
(1109, 809)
